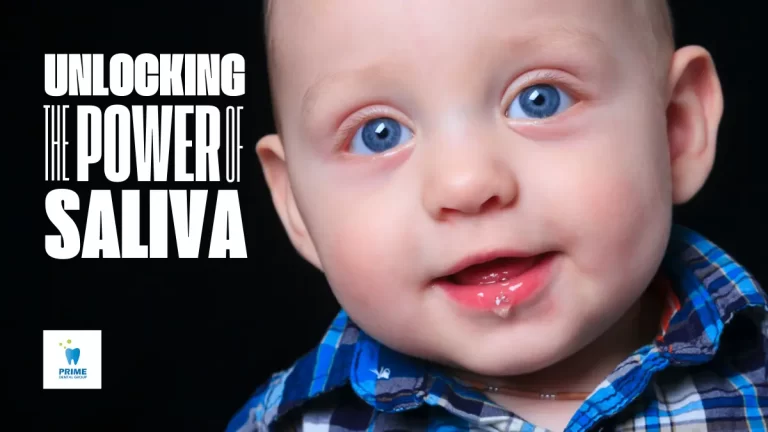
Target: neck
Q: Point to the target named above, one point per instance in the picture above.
(585, 370)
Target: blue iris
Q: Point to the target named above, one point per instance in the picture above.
(379, 135)
(539, 101)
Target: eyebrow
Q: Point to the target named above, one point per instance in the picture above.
(374, 72)
(560, 35)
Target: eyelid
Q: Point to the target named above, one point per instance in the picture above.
(546, 76)
(349, 126)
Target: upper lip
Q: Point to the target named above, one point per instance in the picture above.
(484, 257)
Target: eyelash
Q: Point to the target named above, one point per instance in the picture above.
(348, 128)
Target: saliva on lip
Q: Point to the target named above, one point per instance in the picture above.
(502, 302)
(503, 311)
(502, 306)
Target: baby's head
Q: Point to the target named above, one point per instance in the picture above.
(419, 137)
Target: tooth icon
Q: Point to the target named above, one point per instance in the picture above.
(73, 355)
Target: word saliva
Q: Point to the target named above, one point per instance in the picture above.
(101, 237)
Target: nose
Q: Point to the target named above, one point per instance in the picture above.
(467, 179)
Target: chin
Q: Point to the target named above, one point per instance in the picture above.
(509, 361)
(507, 365)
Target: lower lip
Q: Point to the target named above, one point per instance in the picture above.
(501, 295)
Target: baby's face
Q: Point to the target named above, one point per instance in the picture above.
(527, 135)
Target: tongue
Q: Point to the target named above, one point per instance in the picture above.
(496, 271)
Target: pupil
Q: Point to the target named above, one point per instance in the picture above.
(382, 131)
(537, 98)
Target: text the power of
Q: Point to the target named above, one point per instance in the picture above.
(146, 143)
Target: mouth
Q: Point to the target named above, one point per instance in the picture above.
(495, 282)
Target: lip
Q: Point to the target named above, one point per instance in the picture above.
(499, 297)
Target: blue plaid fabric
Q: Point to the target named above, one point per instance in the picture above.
(705, 372)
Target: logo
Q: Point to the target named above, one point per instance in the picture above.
(73, 355)
(72, 359)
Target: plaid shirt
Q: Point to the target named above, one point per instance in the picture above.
(706, 371)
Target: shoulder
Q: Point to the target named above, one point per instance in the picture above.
(348, 381)
(318, 372)
(716, 344)
(263, 404)
(728, 391)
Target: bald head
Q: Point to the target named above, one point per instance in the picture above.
(657, 13)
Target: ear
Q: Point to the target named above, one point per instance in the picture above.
(694, 112)
(270, 151)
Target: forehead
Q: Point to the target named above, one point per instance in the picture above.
(316, 39)
(308, 25)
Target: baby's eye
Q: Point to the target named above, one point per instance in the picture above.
(539, 101)
(379, 135)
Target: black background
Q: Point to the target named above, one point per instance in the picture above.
(185, 342)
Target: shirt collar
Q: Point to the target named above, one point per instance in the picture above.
(711, 288)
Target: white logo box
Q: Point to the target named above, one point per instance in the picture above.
(72, 359)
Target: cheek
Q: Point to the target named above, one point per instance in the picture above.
(612, 205)
(362, 237)
(622, 228)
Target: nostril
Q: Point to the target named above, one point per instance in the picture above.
(490, 203)
(447, 213)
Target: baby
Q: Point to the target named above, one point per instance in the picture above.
(488, 188)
